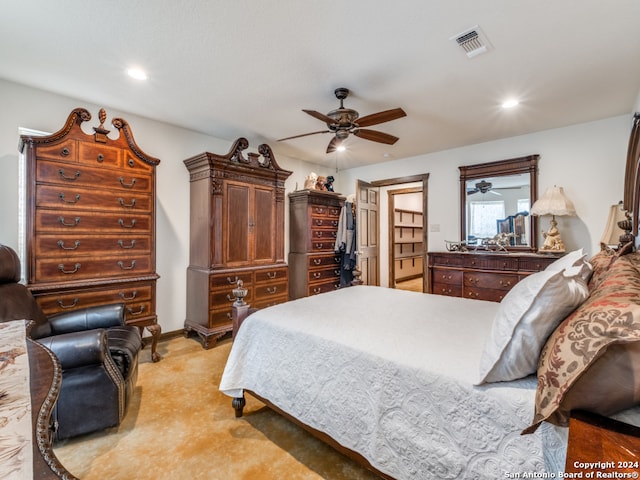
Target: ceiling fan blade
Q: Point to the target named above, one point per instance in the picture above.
(303, 135)
(333, 144)
(320, 116)
(375, 136)
(380, 117)
(495, 193)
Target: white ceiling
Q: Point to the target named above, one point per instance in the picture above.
(246, 68)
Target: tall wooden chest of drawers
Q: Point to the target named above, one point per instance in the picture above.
(481, 276)
(313, 223)
(90, 221)
(236, 234)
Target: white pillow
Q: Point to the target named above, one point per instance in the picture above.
(573, 259)
(527, 315)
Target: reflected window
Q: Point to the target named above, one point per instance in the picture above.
(482, 218)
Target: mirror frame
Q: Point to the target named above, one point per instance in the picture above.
(512, 166)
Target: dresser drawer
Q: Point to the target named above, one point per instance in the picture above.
(317, 261)
(324, 274)
(272, 274)
(82, 221)
(274, 289)
(323, 235)
(98, 154)
(270, 301)
(489, 280)
(449, 289)
(68, 270)
(324, 222)
(443, 275)
(138, 300)
(66, 150)
(228, 281)
(224, 297)
(323, 287)
(322, 245)
(61, 173)
(62, 197)
(70, 246)
(484, 294)
(324, 211)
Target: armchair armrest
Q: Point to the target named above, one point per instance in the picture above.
(78, 349)
(101, 316)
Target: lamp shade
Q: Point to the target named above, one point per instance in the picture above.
(612, 231)
(553, 202)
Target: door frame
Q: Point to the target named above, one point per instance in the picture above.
(424, 179)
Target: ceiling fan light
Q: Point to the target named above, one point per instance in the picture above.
(510, 103)
(341, 148)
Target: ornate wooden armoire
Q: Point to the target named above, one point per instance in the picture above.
(236, 234)
(90, 221)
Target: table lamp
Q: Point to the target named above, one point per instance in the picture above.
(553, 203)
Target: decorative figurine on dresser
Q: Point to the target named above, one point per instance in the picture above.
(314, 266)
(236, 233)
(90, 221)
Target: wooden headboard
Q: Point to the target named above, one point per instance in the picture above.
(631, 200)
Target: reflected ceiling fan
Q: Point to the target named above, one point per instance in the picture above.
(483, 187)
(343, 122)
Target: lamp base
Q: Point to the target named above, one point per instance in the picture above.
(552, 240)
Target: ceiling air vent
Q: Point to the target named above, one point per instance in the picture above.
(472, 41)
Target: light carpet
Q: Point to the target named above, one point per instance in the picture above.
(180, 426)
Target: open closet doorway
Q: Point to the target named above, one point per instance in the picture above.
(375, 257)
(406, 239)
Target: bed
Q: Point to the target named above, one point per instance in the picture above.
(420, 386)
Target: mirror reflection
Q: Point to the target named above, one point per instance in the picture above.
(498, 205)
(496, 198)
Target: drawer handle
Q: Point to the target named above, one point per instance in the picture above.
(121, 222)
(319, 210)
(133, 295)
(474, 280)
(334, 234)
(232, 282)
(71, 179)
(62, 222)
(65, 152)
(446, 277)
(130, 267)
(76, 244)
(474, 294)
(334, 223)
(230, 298)
(272, 275)
(62, 305)
(505, 283)
(316, 275)
(127, 185)
(75, 198)
(318, 234)
(131, 245)
(129, 205)
(100, 157)
(317, 290)
(319, 246)
(317, 261)
(336, 272)
(131, 312)
(319, 222)
(69, 272)
(272, 290)
(336, 259)
(446, 291)
(131, 163)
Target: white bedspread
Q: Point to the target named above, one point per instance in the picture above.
(391, 374)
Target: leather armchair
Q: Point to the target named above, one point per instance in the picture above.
(97, 350)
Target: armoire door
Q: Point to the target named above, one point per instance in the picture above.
(250, 221)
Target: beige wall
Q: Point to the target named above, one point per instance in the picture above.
(588, 160)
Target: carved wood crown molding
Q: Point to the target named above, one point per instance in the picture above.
(81, 115)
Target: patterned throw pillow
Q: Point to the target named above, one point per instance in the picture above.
(592, 360)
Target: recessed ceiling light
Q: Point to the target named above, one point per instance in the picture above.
(137, 73)
(510, 103)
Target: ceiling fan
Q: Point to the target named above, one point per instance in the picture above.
(345, 121)
(482, 187)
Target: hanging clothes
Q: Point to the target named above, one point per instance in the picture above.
(346, 243)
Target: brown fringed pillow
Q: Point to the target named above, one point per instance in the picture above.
(603, 260)
(592, 360)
